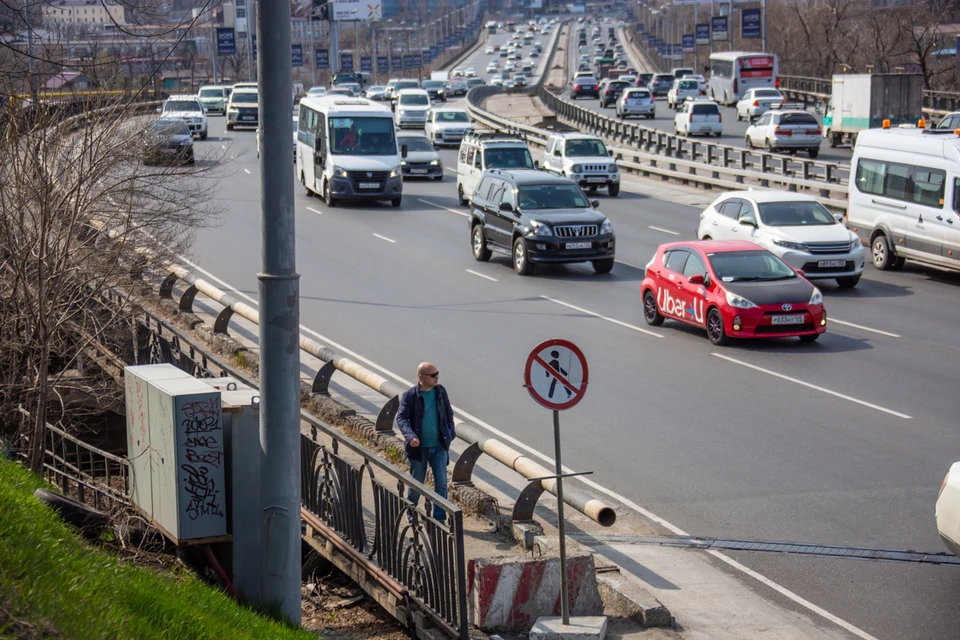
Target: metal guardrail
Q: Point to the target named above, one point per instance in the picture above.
(814, 90)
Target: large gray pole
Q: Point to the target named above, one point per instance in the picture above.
(280, 321)
(213, 51)
(763, 10)
(334, 48)
(313, 49)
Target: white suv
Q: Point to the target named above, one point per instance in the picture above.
(794, 226)
(482, 151)
(188, 109)
(447, 126)
(412, 107)
(585, 159)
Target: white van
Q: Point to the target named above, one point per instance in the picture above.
(482, 151)
(347, 150)
(904, 196)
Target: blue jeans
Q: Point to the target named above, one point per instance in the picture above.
(436, 457)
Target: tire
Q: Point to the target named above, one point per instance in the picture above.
(396, 202)
(767, 146)
(229, 127)
(601, 267)
(706, 238)
(204, 136)
(306, 190)
(739, 117)
(834, 140)
(848, 282)
(613, 190)
(328, 194)
(717, 135)
(716, 332)
(438, 178)
(810, 338)
(460, 199)
(481, 253)
(747, 142)
(520, 259)
(883, 255)
(650, 312)
(813, 153)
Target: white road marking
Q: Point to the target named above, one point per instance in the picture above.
(627, 264)
(440, 206)
(661, 230)
(860, 326)
(813, 386)
(477, 273)
(316, 211)
(602, 317)
(453, 171)
(247, 171)
(377, 235)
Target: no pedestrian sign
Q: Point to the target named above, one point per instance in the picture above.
(556, 374)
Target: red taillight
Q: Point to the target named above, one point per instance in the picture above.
(817, 131)
(596, 87)
(719, 117)
(734, 85)
(777, 82)
(781, 132)
(756, 103)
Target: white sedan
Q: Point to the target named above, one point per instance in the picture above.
(785, 130)
(756, 102)
(489, 49)
(492, 67)
(948, 510)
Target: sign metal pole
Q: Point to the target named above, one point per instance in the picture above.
(564, 604)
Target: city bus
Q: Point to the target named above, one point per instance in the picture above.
(347, 150)
(733, 72)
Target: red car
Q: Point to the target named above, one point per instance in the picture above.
(733, 289)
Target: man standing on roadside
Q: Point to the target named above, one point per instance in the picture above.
(425, 418)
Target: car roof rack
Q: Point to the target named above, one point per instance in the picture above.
(495, 136)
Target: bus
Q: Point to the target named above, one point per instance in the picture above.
(347, 150)
(492, 26)
(733, 72)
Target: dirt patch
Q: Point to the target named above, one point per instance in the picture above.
(13, 627)
(339, 610)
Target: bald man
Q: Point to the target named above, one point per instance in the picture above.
(425, 419)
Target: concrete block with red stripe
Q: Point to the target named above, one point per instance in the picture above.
(508, 594)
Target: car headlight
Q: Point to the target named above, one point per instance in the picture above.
(539, 229)
(395, 172)
(403, 163)
(606, 227)
(738, 301)
(796, 246)
(816, 297)
(340, 173)
(614, 168)
(577, 168)
(403, 112)
(856, 245)
(435, 162)
(233, 109)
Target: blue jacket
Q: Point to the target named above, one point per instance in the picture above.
(410, 418)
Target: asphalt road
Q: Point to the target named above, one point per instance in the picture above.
(734, 132)
(844, 441)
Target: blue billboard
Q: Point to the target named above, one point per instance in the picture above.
(383, 64)
(719, 29)
(296, 55)
(703, 33)
(750, 23)
(322, 58)
(687, 43)
(366, 64)
(226, 42)
(346, 62)
(397, 63)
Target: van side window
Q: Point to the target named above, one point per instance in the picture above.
(550, 144)
(870, 175)
(478, 161)
(320, 141)
(928, 185)
(897, 182)
(470, 155)
(956, 195)
(463, 153)
(307, 126)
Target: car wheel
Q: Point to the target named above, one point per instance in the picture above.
(884, 257)
(813, 153)
(848, 282)
(717, 134)
(229, 127)
(613, 190)
(438, 178)
(306, 190)
(650, 312)
(481, 253)
(463, 201)
(521, 261)
(715, 329)
(603, 266)
(810, 338)
(747, 142)
(767, 146)
(203, 136)
(739, 117)
(396, 202)
(328, 194)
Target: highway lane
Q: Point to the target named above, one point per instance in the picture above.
(713, 446)
(734, 132)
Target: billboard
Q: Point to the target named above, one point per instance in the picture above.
(226, 42)
(296, 55)
(639, 27)
(357, 10)
(718, 28)
(346, 62)
(383, 64)
(366, 64)
(687, 44)
(703, 33)
(397, 63)
(408, 62)
(750, 23)
(322, 58)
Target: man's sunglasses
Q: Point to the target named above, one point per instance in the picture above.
(433, 375)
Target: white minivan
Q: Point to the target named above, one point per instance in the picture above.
(904, 196)
(482, 151)
(347, 150)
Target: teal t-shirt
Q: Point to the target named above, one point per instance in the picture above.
(430, 428)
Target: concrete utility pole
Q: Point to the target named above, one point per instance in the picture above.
(334, 47)
(279, 321)
(763, 11)
(214, 49)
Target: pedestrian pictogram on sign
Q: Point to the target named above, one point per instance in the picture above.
(556, 374)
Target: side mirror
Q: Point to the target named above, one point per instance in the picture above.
(748, 220)
(610, 152)
(536, 164)
(403, 151)
(801, 273)
(696, 278)
(838, 217)
(594, 203)
(159, 109)
(506, 206)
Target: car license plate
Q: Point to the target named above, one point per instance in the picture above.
(418, 170)
(578, 245)
(596, 179)
(786, 320)
(369, 185)
(247, 118)
(831, 263)
(704, 129)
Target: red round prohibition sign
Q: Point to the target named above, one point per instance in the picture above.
(556, 374)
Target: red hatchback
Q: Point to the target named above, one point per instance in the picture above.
(733, 289)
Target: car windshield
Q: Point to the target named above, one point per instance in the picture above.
(452, 116)
(240, 96)
(432, 84)
(794, 214)
(211, 93)
(182, 105)
(689, 84)
(375, 89)
(474, 82)
(365, 136)
(515, 158)
(766, 93)
(747, 266)
(552, 196)
(577, 148)
(317, 91)
(414, 100)
(409, 84)
(169, 128)
(416, 143)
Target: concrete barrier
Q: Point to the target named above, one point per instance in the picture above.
(507, 594)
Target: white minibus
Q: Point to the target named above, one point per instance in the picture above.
(733, 72)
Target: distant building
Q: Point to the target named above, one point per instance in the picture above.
(69, 81)
(93, 13)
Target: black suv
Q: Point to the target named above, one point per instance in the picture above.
(538, 217)
(611, 91)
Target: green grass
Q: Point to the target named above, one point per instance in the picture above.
(52, 578)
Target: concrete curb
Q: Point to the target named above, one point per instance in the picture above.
(624, 597)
